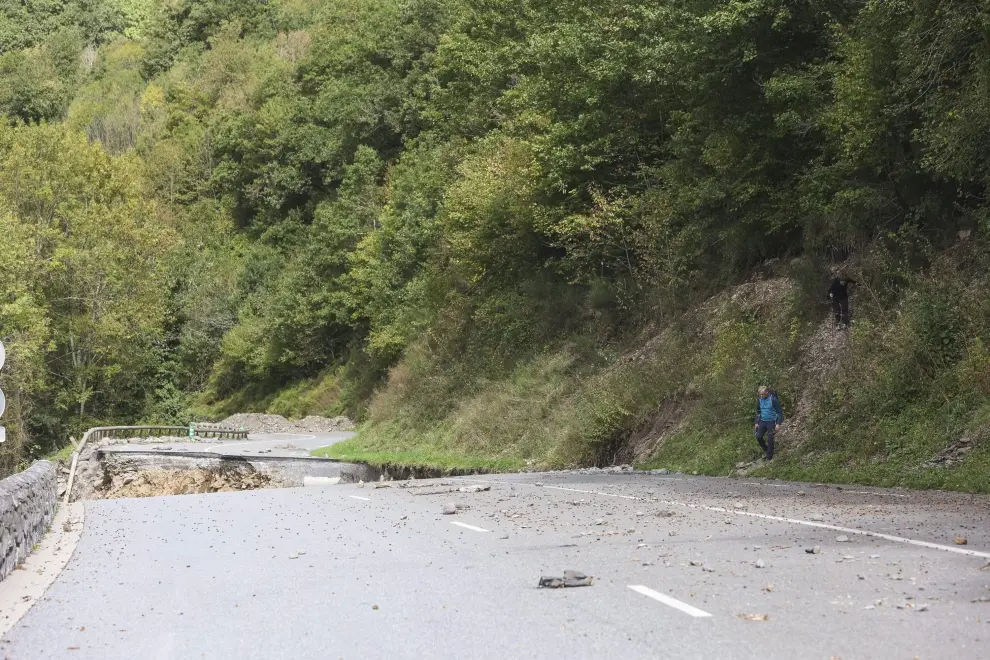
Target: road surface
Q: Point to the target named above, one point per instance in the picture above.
(683, 567)
(267, 444)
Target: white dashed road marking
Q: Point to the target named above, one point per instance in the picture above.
(471, 527)
(667, 600)
(358, 497)
(847, 530)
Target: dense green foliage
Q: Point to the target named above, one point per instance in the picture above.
(486, 197)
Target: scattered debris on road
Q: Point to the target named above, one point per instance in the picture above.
(817, 550)
(918, 607)
(477, 488)
(754, 617)
(570, 579)
(449, 509)
(842, 538)
(960, 541)
(759, 563)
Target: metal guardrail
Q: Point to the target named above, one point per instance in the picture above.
(100, 432)
(199, 430)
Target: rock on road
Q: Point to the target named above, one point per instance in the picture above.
(683, 567)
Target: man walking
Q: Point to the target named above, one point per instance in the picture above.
(769, 417)
(838, 293)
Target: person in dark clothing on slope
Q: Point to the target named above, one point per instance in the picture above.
(838, 293)
(769, 417)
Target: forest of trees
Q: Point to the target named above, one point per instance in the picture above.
(206, 202)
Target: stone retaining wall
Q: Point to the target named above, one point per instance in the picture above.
(27, 505)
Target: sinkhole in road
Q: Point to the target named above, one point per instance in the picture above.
(110, 473)
(156, 481)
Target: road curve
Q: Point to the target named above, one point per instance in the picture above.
(270, 444)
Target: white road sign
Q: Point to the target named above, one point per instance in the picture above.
(3, 355)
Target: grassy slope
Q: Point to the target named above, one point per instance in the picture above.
(869, 408)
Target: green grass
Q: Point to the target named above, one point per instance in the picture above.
(61, 455)
(315, 396)
(698, 449)
(507, 423)
(837, 467)
(429, 458)
(319, 395)
(887, 452)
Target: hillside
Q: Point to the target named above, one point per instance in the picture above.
(506, 234)
(882, 403)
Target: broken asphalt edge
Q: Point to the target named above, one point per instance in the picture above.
(244, 458)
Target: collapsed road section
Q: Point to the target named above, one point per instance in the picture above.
(108, 471)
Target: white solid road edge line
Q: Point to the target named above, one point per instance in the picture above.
(847, 530)
(358, 497)
(20, 590)
(667, 600)
(855, 492)
(471, 527)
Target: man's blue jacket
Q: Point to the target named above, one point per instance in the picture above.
(777, 410)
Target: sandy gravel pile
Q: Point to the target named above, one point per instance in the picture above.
(263, 423)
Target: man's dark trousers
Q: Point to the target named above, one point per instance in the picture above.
(840, 307)
(769, 429)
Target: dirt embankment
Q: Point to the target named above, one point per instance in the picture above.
(820, 357)
(263, 423)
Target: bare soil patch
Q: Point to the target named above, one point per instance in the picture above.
(153, 482)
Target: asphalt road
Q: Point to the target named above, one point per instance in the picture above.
(681, 566)
(270, 444)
